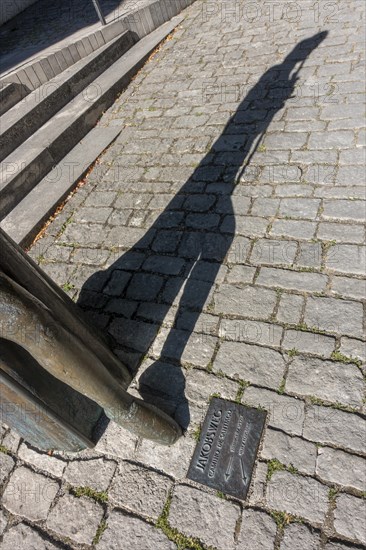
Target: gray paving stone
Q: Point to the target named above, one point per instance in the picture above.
(299, 537)
(329, 140)
(255, 332)
(143, 287)
(29, 494)
(290, 451)
(200, 385)
(285, 413)
(344, 210)
(347, 258)
(268, 251)
(330, 426)
(328, 380)
(341, 232)
(348, 287)
(11, 441)
(350, 175)
(258, 528)
(297, 229)
(218, 517)
(310, 255)
(250, 363)
(298, 495)
(6, 465)
(309, 342)
(23, 536)
(353, 348)
(292, 280)
(347, 516)
(241, 274)
(252, 301)
(285, 140)
(43, 461)
(332, 315)
(192, 348)
(290, 308)
(95, 473)
(117, 442)
(341, 468)
(265, 207)
(75, 518)
(250, 226)
(299, 208)
(133, 334)
(163, 264)
(135, 535)
(173, 460)
(258, 485)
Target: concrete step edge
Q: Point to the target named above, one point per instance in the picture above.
(29, 114)
(25, 221)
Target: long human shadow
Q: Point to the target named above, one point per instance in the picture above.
(188, 243)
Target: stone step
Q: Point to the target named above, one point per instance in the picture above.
(20, 196)
(36, 108)
(35, 157)
(140, 18)
(10, 94)
(27, 218)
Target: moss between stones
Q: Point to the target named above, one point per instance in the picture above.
(182, 542)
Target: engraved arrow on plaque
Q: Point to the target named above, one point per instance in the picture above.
(243, 474)
(229, 468)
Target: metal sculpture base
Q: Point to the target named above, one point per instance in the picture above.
(53, 363)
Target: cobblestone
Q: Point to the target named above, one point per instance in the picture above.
(250, 363)
(43, 461)
(299, 537)
(341, 468)
(308, 342)
(135, 535)
(292, 280)
(217, 518)
(23, 536)
(6, 465)
(333, 315)
(290, 451)
(259, 528)
(250, 301)
(95, 473)
(29, 495)
(77, 518)
(290, 308)
(347, 516)
(336, 382)
(330, 426)
(285, 413)
(347, 258)
(298, 495)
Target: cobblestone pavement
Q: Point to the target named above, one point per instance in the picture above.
(219, 242)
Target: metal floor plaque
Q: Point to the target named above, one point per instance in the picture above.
(225, 455)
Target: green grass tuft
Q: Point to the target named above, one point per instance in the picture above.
(102, 527)
(182, 542)
(98, 496)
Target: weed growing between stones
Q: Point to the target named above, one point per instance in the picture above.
(102, 527)
(98, 496)
(182, 542)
